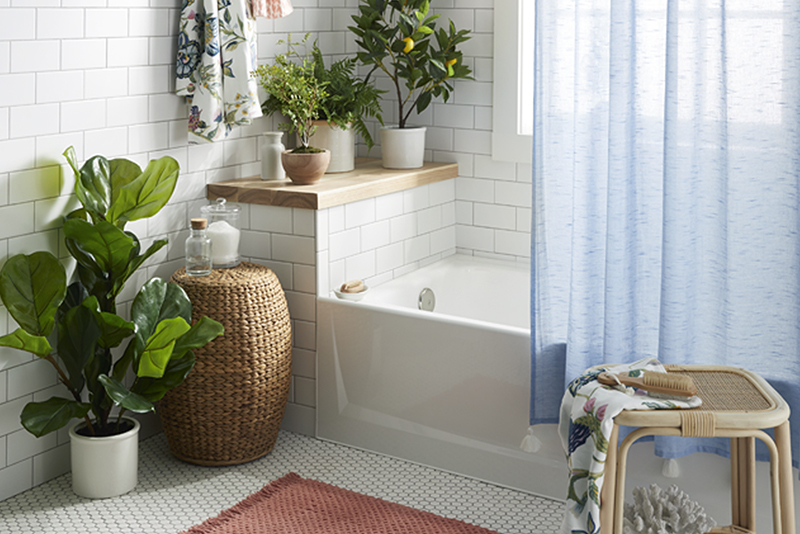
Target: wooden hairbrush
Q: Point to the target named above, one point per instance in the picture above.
(670, 384)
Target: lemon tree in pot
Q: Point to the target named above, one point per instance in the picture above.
(296, 93)
(400, 38)
(89, 357)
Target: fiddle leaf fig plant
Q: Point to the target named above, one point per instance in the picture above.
(400, 38)
(88, 357)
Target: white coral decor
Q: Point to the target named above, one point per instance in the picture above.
(658, 511)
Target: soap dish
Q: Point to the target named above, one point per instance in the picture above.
(355, 297)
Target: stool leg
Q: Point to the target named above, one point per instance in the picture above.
(743, 482)
(734, 481)
(784, 445)
(608, 491)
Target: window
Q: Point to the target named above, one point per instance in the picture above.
(512, 114)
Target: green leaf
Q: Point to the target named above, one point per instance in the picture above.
(438, 69)
(135, 262)
(158, 350)
(423, 102)
(125, 398)
(109, 246)
(86, 261)
(40, 418)
(123, 364)
(93, 185)
(147, 194)
(198, 336)
(22, 340)
(154, 389)
(76, 294)
(406, 22)
(96, 285)
(32, 287)
(430, 21)
(77, 338)
(123, 172)
(99, 364)
(71, 158)
(114, 329)
(158, 300)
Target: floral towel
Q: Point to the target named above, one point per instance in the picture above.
(216, 55)
(585, 423)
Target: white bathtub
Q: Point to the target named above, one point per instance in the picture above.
(448, 388)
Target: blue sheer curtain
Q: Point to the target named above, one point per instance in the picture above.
(666, 180)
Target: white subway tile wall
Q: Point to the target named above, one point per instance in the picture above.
(380, 238)
(98, 75)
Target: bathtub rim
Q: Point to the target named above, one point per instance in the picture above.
(428, 316)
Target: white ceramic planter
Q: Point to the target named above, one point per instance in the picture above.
(341, 142)
(106, 466)
(403, 148)
(271, 167)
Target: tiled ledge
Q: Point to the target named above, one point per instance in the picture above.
(368, 180)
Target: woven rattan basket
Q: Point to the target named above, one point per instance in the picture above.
(229, 409)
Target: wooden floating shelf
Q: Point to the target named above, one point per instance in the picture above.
(368, 180)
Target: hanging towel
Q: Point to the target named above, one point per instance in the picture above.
(216, 55)
(271, 9)
(585, 424)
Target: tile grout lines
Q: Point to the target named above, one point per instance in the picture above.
(173, 495)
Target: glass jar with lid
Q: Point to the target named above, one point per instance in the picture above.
(223, 230)
(198, 249)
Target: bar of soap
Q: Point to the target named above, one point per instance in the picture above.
(353, 286)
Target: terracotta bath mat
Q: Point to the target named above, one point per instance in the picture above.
(295, 505)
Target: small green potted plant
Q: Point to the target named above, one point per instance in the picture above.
(97, 375)
(350, 101)
(296, 93)
(400, 38)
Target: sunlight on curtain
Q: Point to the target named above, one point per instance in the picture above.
(666, 167)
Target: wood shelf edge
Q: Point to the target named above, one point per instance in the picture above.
(368, 180)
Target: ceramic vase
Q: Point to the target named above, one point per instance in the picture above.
(271, 166)
(105, 466)
(403, 148)
(305, 169)
(340, 141)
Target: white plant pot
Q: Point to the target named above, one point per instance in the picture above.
(340, 141)
(403, 148)
(104, 467)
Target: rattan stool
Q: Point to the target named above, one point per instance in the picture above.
(229, 409)
(737, 404)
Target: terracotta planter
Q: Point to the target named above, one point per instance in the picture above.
(340, 141)
(104, 467)
(305, 169)
(403, 148)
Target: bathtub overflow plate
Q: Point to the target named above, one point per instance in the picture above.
(427, 300)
